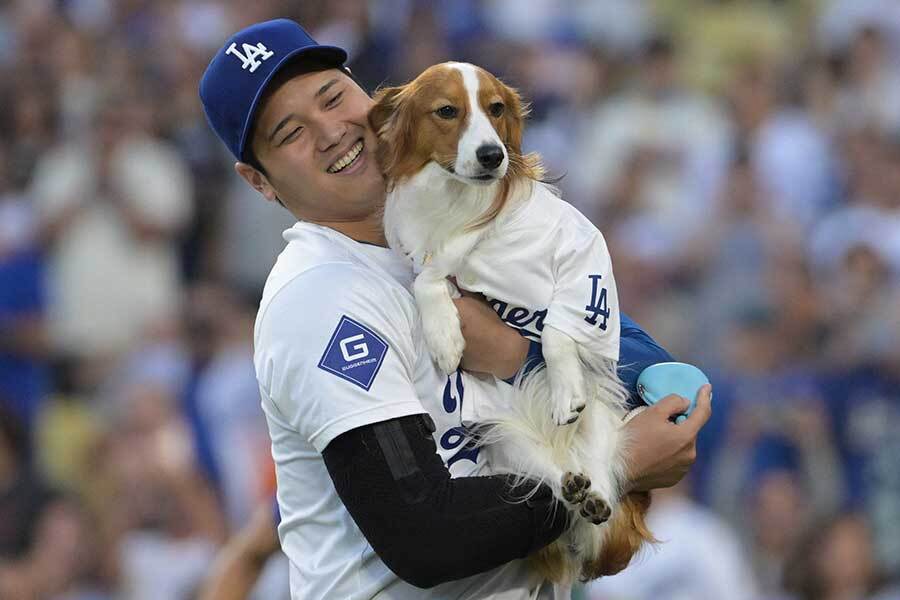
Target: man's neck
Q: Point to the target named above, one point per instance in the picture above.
(369, 231)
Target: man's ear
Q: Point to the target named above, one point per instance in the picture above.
(257, 180)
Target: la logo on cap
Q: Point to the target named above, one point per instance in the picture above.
(250, 55)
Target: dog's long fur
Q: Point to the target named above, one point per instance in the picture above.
(438, 217)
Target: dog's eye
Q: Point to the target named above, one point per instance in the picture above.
(496, 109)
(447, 112)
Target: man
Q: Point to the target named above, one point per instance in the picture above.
(366, 432)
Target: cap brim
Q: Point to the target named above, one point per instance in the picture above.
(328, 54)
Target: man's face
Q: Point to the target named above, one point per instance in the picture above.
(312, 138)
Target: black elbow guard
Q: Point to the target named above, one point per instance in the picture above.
(425, 526)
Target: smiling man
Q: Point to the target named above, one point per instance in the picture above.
(379, 490)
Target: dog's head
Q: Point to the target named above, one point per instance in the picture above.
(457, 116)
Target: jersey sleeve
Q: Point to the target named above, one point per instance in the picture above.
(585, 304)
(334, 352)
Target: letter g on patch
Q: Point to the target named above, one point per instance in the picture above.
(354, 353)
(358, 350)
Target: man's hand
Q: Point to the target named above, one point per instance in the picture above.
(492, 346)
(659, 451)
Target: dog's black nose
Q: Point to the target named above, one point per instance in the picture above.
(489, 155)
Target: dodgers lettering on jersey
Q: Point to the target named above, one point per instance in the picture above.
(456, 439)
(529, 323)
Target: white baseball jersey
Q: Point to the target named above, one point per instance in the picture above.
(544, 263)
(338, 345)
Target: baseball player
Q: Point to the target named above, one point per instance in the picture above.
(381, 494)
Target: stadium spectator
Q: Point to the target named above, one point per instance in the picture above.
(836, 561)
(110, 217)
(699, 557)
(777, 472)
(23, 339)
(165, 523)
(658, 151)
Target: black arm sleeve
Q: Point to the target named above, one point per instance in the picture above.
(425, 526)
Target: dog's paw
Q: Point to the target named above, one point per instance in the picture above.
(444, 337)
(595, 509)
(575, 487)
(567, 403)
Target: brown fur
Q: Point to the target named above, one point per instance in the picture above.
(627, 532)
(410, 135)
(550, 562)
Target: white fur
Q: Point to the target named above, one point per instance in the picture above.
(564, 369)
(479, 130)
(521, 440)
(429, 217)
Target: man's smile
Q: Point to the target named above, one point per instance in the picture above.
(347, 159)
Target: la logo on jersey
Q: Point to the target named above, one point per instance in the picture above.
(252, 56)
(354, 353)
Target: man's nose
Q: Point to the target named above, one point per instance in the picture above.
(331, 136)
(489, 155)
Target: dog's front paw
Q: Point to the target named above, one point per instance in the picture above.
(444, 337)
(567, 399)
(595, 509)
(566, 378)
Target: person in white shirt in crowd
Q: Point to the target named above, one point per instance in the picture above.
(699, 557)
(677, 138)
(110, 210)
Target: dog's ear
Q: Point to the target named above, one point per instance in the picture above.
(510, 130)
(387, 104)
(389, 122)
(513, 118)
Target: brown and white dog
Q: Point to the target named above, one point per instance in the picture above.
(464, 201)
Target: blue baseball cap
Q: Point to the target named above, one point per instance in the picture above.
(238, 74)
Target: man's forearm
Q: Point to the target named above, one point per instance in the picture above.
(425, 526)
(240, 562)
(637, 351)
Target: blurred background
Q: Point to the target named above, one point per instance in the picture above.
(742, 158)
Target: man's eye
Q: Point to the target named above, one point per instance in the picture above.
(292, 135)
(496, 109)
(447, 112)
(334, 100)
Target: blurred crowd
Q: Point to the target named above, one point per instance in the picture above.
(742, 158)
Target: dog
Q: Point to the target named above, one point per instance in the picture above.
(464, 201)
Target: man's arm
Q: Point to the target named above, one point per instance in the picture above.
(496, 348)
(637, 351)
(426, 527)
(429, 529)
(240, 562)
(659, 452)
